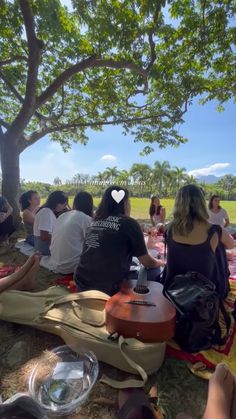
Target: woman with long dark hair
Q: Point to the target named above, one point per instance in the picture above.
(29, 204)
(45, 220)
(217, 215)
(156, 211)
(113, 238)
(193, 244)
(68, 235)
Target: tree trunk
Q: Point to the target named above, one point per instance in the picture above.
(10, 159)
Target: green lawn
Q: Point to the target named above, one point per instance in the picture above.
(140, 207)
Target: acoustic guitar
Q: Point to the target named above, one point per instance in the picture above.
(140, 310)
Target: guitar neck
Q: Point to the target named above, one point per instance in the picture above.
(142, 281)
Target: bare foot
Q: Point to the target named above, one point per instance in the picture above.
(28, 264)
(220, 394)
(28, 282)
(30, 278)
(12, 281)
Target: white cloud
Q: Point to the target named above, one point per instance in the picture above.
(209, 170)
(52, 163)
(108, 158)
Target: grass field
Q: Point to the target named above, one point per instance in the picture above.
(140, 207)
(178, 389)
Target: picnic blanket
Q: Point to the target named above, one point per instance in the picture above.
(205, 360)
(199, 363)
(24, 247)
(28, 250)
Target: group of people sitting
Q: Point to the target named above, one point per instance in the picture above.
(54, 229)
(98, 248)
(217, 214)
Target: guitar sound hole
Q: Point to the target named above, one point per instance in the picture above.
(141, 290)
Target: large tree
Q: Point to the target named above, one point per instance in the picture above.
(134, 63)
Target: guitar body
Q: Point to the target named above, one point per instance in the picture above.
(148, 317)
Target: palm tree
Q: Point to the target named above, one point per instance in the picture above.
(141, 174)
(100, 176)
(179, 174)
(57, 181)
(111, 173)
(123, 177)
(160, 174)
(77, 179)
(190, 179)
(228, 183)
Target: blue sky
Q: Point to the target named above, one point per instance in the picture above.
(211, 149)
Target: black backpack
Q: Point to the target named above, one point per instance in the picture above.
(198, 308)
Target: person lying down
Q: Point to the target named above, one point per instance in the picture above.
(25, 278)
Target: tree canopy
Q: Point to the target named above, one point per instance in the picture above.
(138, 63)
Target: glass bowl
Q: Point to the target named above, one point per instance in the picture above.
(63, 379)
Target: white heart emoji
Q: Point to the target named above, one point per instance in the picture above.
(117, 195)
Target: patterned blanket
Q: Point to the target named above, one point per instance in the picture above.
(199, 363)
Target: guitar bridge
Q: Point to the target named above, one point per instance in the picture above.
(141, 303)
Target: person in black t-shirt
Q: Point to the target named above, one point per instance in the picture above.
(111, 241)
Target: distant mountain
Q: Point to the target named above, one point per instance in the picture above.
(209, 179)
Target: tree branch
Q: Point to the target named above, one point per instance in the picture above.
(37, 135)
(34, 55)
(18, 95)
(4, 124)
(156, 15)
(90, 62)
(27, 141)
(203, 4)
(58, 116)
(153, 56)
(138, 106)
(11, 87)
(152, 51)
(12, 59)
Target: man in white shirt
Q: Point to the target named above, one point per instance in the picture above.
(68, 235)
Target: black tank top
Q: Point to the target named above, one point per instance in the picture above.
(183, 258)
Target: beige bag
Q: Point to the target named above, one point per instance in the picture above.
(79, 319)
